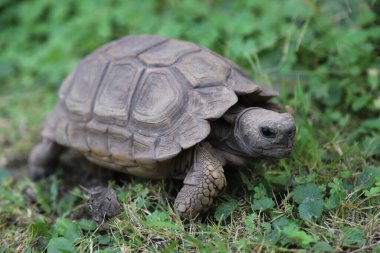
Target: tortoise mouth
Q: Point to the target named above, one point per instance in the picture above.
(279, 147)
(276, 151)
(279, 153)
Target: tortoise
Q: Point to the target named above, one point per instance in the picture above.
(162, 108)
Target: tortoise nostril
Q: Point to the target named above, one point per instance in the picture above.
(268, 133)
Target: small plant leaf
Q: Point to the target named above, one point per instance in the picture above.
(60, 245)
(309, 197)
(361, 102)
(335, 199)
(298, 236)
(263, 204)
(322, 247)
(306, 192)
(249, 222)
(337, 194)
(373, 191)
(368, 177)
(159, 216)
(353, 237)
(280, 223)
(39, 228)
(225, 209)
(65, 204)
(67, 229)
(43, 198)
(376, 249)
(247, 182)
(104, 240)
(88, 225)
(311, 209)
(4, 174)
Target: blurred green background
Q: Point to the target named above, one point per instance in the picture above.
(324, 58)
(329, 49)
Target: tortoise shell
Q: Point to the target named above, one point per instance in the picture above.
(142, 99)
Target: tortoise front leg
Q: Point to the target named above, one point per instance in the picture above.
(201, 185)
(43, 158)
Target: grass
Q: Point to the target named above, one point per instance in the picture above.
(323, 56)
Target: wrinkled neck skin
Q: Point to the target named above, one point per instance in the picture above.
(225, 145)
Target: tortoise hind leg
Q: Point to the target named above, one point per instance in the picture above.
(43, 158)
(201, 185)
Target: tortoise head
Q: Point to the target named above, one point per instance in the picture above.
(261, 132)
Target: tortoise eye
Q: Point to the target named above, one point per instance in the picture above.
(267, 132)
(291, 132)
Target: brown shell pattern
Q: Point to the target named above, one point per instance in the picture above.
(142, 99)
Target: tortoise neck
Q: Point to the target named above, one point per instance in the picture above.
(220, 131)
(223, 140)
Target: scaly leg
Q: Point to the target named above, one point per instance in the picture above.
(43, 158)
(201, 185)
